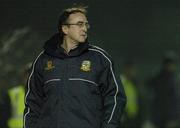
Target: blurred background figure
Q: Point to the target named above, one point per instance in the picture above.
(129, 80)
(164, 86)
(16, 95)
(4, 105)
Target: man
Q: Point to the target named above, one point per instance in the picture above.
(16, 96)
(72, 84)
(5, 106)
(164, 86)
(129, 80)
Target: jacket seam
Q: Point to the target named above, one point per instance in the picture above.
(115, 100)
(28, 85)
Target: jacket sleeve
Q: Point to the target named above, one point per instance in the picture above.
(33, 97)
(114, 98)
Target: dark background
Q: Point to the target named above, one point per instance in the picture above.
(140, 29)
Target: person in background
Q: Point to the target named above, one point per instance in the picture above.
(4, 105)
(16, 95)
(129, 79)
(72, 84)
(164, 86)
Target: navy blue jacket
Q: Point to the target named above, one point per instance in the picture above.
(78, 90)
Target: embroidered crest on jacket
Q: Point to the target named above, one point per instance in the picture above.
(49, 65)
(86, 65)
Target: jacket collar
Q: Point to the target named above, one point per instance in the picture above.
(51, 47)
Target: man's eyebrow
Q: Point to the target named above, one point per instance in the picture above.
(82, 22)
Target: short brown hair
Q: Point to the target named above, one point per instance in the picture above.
(65, 15)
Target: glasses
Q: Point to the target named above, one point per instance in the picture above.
(80, 24)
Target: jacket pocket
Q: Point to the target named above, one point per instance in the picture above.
(87, 91)
(51, 80)
(51, 86)
(84, 80)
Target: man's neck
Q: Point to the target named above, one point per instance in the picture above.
(68, 45)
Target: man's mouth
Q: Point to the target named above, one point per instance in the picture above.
(83, 35)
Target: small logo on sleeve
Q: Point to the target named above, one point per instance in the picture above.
(49, 65)
(86, 66)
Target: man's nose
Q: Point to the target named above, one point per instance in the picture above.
(84, 28)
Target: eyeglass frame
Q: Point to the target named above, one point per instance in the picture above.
(80, 24)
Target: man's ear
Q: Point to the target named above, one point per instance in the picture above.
(65, 29)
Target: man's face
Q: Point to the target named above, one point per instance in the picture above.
(76, 28)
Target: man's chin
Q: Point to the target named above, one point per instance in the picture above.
(82, 41)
